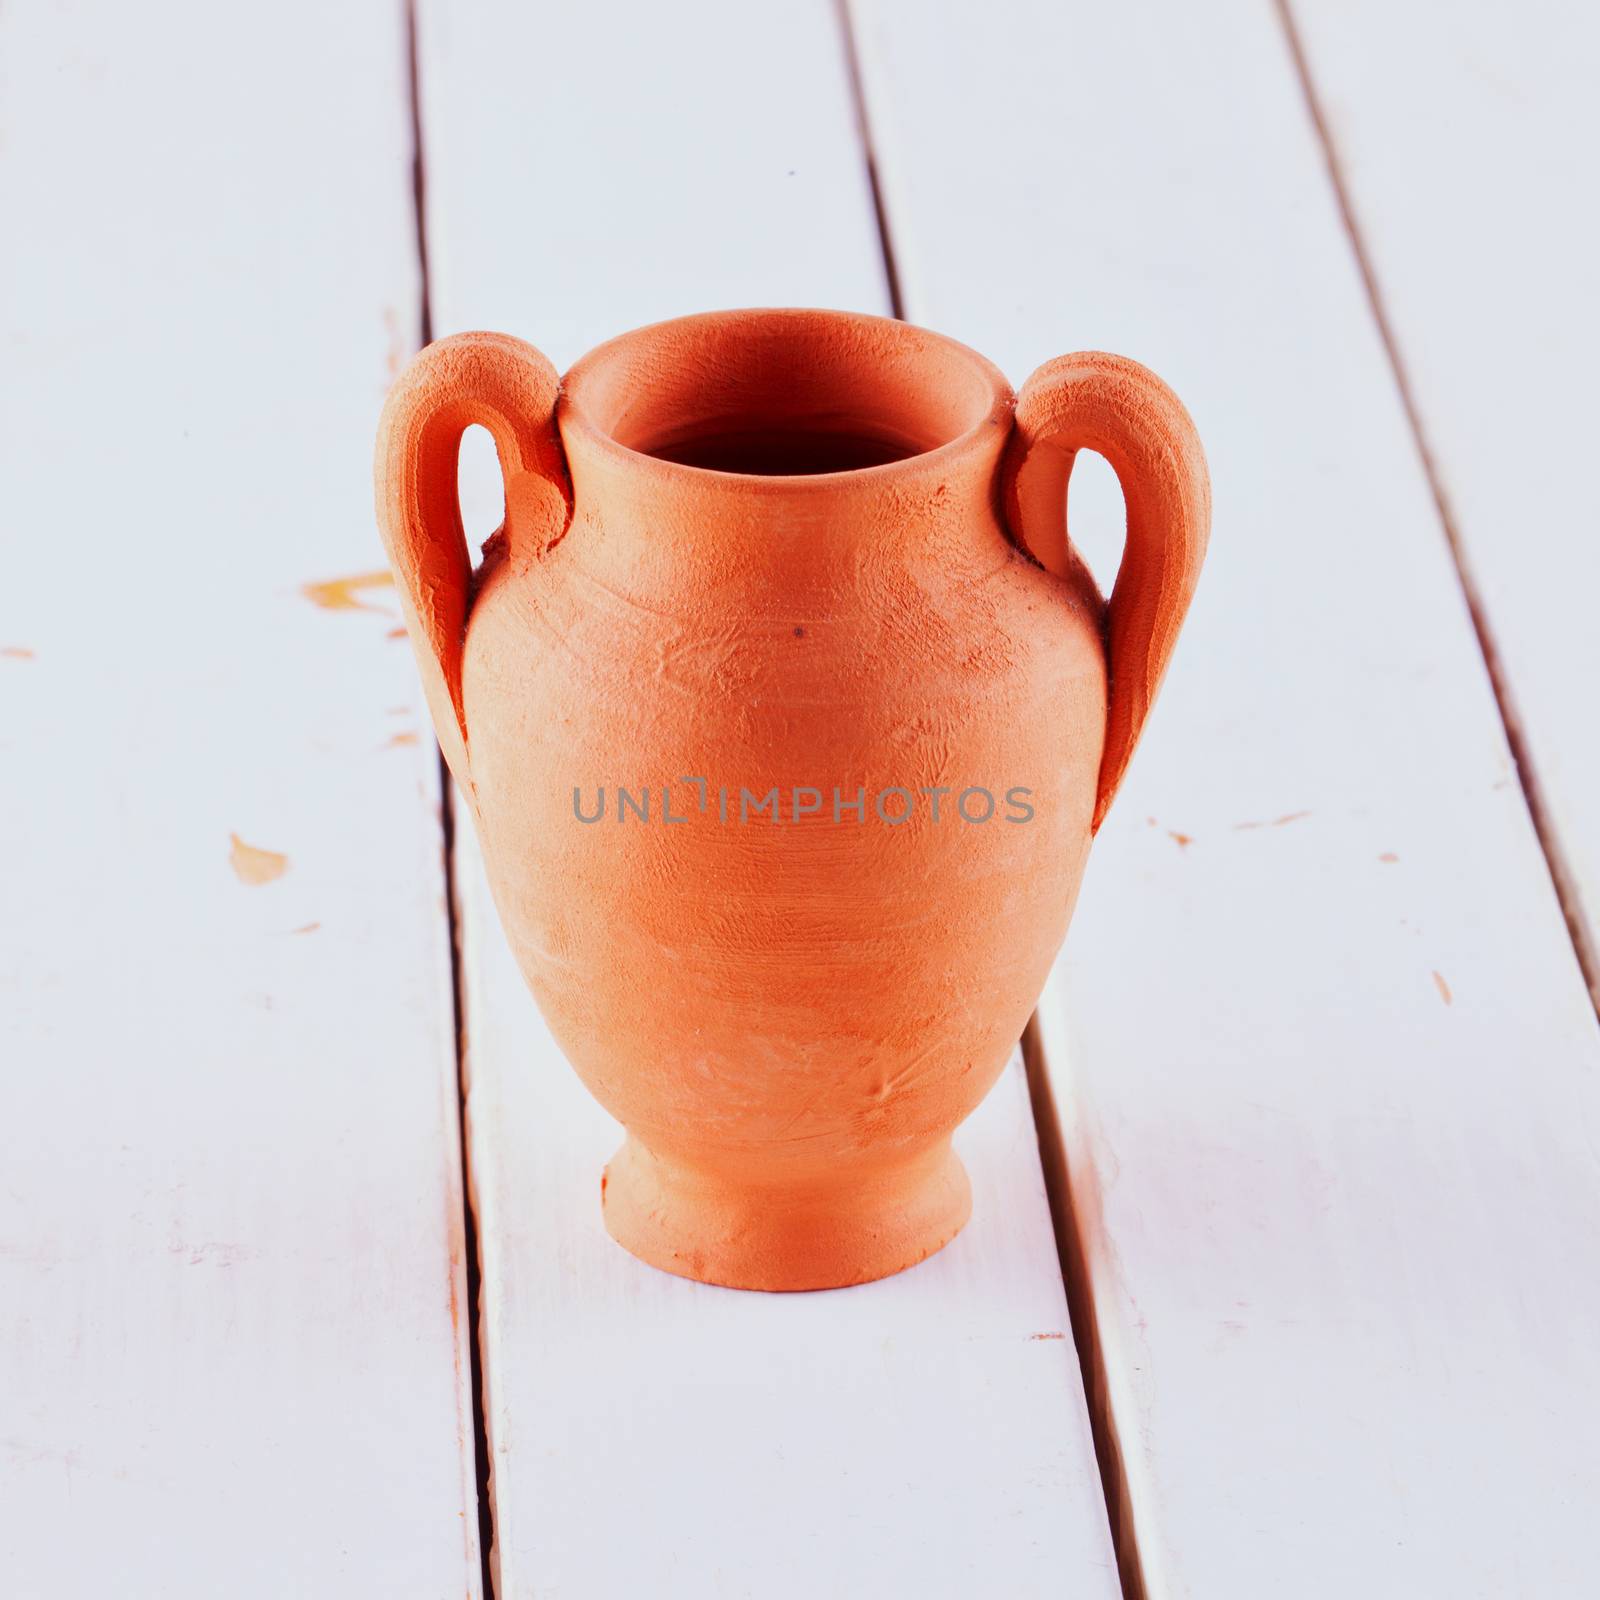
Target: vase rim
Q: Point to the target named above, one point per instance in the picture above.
(946, 397)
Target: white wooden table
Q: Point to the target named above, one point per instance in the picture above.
(1316, 1083)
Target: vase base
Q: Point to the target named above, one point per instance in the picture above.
(697, 1225)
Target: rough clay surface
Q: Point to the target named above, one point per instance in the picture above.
(790, 1016)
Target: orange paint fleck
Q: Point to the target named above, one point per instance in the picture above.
(16, 652)
(255, 866)
(401, 738)
(1443, 988)
(395, 633)
(1389, 856)
(309, 927)
(397, 348)
(1277, 822)
(341, 594)
(1047, 1336)
(1184, 840)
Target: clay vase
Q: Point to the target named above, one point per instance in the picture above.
(780, 702)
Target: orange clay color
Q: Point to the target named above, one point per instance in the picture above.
(823, 555)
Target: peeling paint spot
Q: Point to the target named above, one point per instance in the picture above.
(342, 594)
(17, 652)
(396, 353)
(1443, 988)
(1276, 822)
(255, 866)
(1184, 840)
(213, 1253)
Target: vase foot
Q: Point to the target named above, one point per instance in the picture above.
(698, 1225)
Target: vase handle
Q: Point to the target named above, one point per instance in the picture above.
(1125, 413)
(509, 388)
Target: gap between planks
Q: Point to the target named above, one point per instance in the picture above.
(1561, 874)
(447, 845)
(858, 97)
(1064, 1220)
(1068, 1225)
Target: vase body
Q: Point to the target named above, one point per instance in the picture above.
(784, 755)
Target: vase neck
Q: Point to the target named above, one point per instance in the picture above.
(797, 438)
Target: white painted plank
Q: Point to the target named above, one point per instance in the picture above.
(667, 161)
(1325, 1061)
(922, 1435)
(926, 1434)
(1467, 143)
(231, 1348)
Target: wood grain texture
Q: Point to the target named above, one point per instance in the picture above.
(1466, 146)
(1325, 1062)
(925, 1434)
(232, 1352)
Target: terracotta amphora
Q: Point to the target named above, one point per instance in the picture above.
(786, 713)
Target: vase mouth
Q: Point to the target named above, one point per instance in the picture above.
(797, 399)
